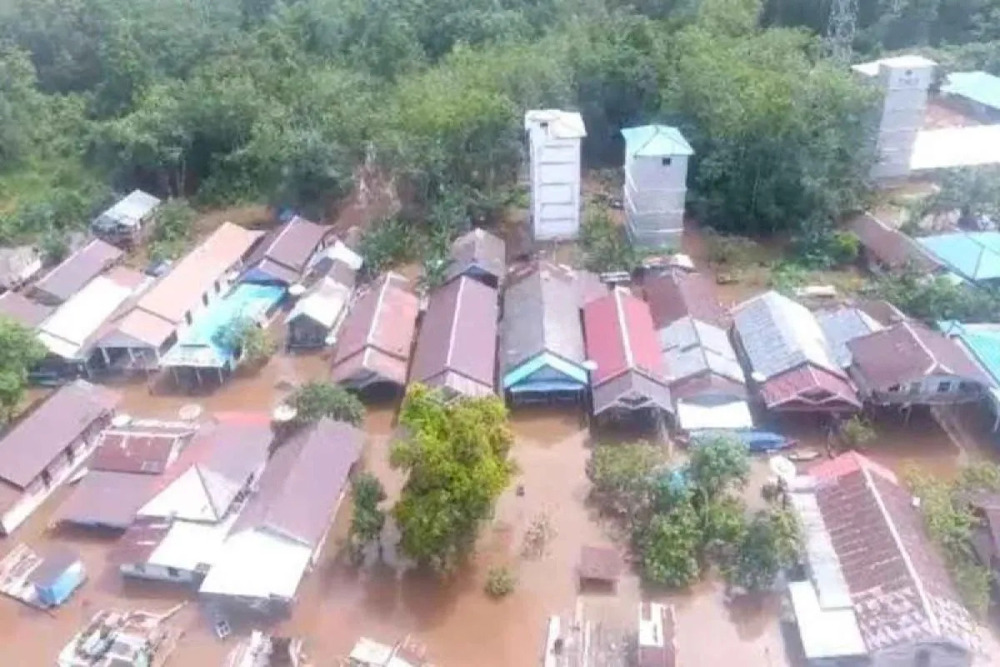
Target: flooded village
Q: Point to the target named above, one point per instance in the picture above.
(159, 498)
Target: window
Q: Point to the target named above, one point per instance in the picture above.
(943, 387)
(187, 317)
(544, 125)
(204, 298)
(666, 161)
(893, 389)
(173, 573)
(218, 287)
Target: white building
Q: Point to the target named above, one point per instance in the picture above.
(905, 81)
(656, 162)
(554, 138)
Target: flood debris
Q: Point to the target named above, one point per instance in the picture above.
(370, 653)
(116, 638)
(263, 650)
(578, 641)
(41, 580)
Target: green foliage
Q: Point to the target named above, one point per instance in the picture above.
(500, 582)
(971, 193)
(172, 232)
(717, 466)
(857, 432)
(455, 455)
(730, 250)
(368, 519)
(19, 352)
(937, 298)
(255, 344)
(621, 475)
(819, 246)
(769, 544)
(669, 547)
(316, 400)
(385, 244)
(606, 246)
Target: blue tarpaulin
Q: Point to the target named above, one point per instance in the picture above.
(756, 441)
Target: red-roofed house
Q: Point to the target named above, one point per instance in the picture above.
(909, 364)
(621, 343)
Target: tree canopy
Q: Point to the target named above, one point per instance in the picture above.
(19, 352)
(315, 400)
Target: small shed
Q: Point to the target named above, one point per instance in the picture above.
(127, 221)
(316, 317)
(60, 573)
(18, 265)
(600, 564)
(479, 255)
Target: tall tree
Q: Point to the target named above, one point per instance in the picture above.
(19, 352)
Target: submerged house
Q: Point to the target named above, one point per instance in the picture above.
(75, 272)
(317, 315)
(457, 345)
(281, 531)
(877, 592)
(886, 249)
(44, 448)
(909, 364)
(377, 336)
(982, 343)
(140, 334)
(541, 339)
(128, 465)
(785, 353)
(18, 265)
(976, 93)
(676, 294)
(479, 255)
(285, 252)
(129, 220)
(627, 376)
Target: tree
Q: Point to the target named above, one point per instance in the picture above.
(937, 298)
(857, 432)
(254, 343)
(19, 352)
(717, 465)
(368, 519)
(455, 455)
(669, 547)
(769, 544)
(605, 245)
(623, 477)
(316, 400)
(172, 231)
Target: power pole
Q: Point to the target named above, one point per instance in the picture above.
(840, 29)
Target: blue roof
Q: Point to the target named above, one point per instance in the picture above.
(655, 141)
(973, 255)
(982, 340)
(979, 87)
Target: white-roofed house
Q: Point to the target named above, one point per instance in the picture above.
(128, 220)
(554, 139)
(316, 317)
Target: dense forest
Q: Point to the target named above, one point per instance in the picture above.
(279, 101)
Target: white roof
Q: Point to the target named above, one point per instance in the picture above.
(825, 633)
(325, 303)
(130, 210)
(187, 497)
(731, 415)
(906, 61)
(561, 124)
(370, 652)
(189, 544)
(258, 564)
(66, 331)
(339, 251)
(956, 147)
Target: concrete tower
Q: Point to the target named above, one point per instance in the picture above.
(656, 162)
(905, 81)
(554, 138)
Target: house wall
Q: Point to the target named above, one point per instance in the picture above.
(216, 291)
(654, 194)
(159, 573)
(927, 392)
(933, 654)
(554, 168)
(304, 332)
(58, 471)
(905, 89)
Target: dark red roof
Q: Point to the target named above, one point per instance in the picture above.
(889, 246)
(77, 270)
(138, 449)
(809, 387)
(458, 334)
(109, 499)
(139, 541)
(22, 310)
(286, 250)
(908, 352)
(600, 563)
(620, 337)
(677, 294)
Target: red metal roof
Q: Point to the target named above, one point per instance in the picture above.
(138, 449)
(809, 387)
(620, 336)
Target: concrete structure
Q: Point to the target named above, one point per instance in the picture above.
(656, 162)
(905, 81)
(554, 138)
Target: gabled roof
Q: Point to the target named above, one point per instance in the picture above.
(41, 436)
(128, 211)
(842, 325)
(868, 541)
(304, 482)
(478, 249)
(285, 251)
(691, 348)
(70, 276)
(983, 343)
(67, 331)
(908, 352)
(655, 141)
(324, 303)
(980, 87)
(23, 310)
(676, 294)
(456, 347)
(973, 255)
(541, 314)
(890, 246)
(558, 124)
(620, 337)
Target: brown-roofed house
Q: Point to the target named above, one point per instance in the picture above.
(23, 310)
(457, 344)
(280, 533)
(285, 252)
(480, 255)
(677, 294)
(908, 363)
(70, 276)
(42, 450)
(886, 248)
(377, 336)
(879, 588)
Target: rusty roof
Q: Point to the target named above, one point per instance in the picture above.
(541, 314)
(600, 563)
(378, 332)
(890, 246)
(809, 387)
(478, 249)
(140, 447)
(40, 437)
(458, 334)
(896, 579)
(304, 482)
(139, 541)
(106, 498)
(23, 310)
(78, 269)
(620, 337)
(908, 352)
(287, 249)
(677, 294)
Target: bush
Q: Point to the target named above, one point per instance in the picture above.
(730, 250)
(172, 233)
(315, 400)
(857, 432)
(387, 243)
(822, 247)
(605, 245)
(500, 582)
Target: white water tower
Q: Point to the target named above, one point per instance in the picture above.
(904, 81)
(656, 163)
(554, 139)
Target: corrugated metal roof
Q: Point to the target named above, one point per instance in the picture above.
(983, 341)
(620, 337)
(67, 330)
(889, 246)
(324, 303)
(841, 325)
(541, 314)
(560, 124)
(128, 211)
(973, 255)
(678, 294)
(478, 249)
(78, 269)
(691, 347)
(286, 250)
(655, 141)
(980, 87)
(23, 310)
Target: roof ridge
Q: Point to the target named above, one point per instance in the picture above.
(626, 344)
(454, 323)
(935, 364)
(918, 584)
(204, 486)
(378, 309)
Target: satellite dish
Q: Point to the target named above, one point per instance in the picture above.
(190, 412)
(284, 413)
(589, 365)
(121, 420)
(297, 290)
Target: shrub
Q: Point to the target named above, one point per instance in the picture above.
(500, 582)
(857, 432)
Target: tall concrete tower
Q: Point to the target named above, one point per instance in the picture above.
(554, 139)
(656, 162)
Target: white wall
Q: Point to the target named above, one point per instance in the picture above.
(554, 166)
(654, 198)
(905, 87)
(158, 573)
